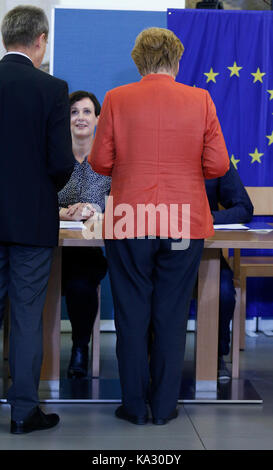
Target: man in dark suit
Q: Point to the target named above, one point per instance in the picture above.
(36, 161)
(237, 208)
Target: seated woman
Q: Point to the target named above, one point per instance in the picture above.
(82, 268)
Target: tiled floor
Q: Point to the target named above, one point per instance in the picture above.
(198, 427)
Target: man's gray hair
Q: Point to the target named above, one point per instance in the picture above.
(23, 24)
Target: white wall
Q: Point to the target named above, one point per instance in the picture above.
(141, 5)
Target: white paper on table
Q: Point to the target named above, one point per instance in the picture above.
(70, 224)
(262, 230)
(230, 227)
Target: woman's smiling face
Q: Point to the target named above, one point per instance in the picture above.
(83, 119)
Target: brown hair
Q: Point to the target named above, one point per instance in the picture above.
(157, 49)
(80, 94)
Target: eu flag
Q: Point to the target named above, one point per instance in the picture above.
(230, 53)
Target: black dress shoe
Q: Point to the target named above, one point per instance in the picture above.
(223, 372)
(36, 421)
(161, 421)
(78, 366)
(122, 414)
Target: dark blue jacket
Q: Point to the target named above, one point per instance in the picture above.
(229, 191)
(36, 158)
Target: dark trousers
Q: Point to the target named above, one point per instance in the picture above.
(82, 271)
(24, 274)
(151, 286)
(226, 306)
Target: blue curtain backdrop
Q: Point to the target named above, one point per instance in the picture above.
(92, 51)
(230, 53)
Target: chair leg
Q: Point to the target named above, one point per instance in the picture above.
(243, 310)
(236, 335)
(95, 350)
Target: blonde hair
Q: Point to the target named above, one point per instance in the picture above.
(157, 49)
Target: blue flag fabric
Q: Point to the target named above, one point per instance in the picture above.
(230, 53)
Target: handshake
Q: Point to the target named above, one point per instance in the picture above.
(78, 211)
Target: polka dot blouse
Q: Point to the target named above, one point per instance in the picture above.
(85, 186)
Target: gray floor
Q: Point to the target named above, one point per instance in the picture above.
(198, 427)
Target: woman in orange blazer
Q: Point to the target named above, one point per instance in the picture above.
(159, 140)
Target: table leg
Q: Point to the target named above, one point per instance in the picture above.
(207, 321)
(52, 323)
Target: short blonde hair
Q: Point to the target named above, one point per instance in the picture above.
(157, 49)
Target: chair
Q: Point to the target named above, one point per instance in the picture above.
(244, 267)
(95, 348)
(253, 266)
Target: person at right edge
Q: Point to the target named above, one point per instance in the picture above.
(229, 192)
(159, 140)
(36, 161)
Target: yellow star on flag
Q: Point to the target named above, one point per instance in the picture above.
(270, 137)
(271, 94)
(234, 161)
(234, 70)
(211, 75)
(256, 156)
(258, 75)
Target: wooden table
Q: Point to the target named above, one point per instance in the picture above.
(208, 301)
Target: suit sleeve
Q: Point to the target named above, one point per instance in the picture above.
(60, 159)
(233, 197)
(215, 158)
(102, 156)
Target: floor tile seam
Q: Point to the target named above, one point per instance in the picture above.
(194, 427)
(64, 437)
